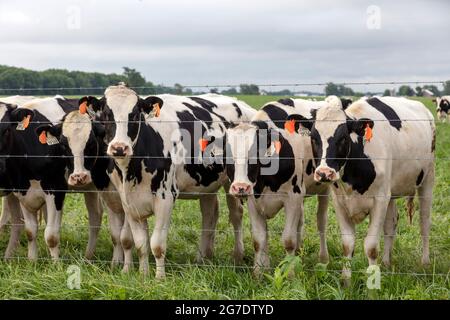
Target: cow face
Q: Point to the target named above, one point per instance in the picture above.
(249, 146)
(10, 117)
(332, 136)
(442, 108)
(81, 141)
(123, 113)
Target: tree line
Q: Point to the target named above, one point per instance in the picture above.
(15, 80)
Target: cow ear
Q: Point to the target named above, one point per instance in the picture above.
(151, 105)
(346, 102)
(99, 130)
(297, 123)
(360, 126)
(90, 103)
(49, 134)
(22, 116)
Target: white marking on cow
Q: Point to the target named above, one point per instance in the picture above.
(77, 128)
(121, 100)
(48, 107)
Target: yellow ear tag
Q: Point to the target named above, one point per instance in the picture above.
(157, 109)
(368, 133)
(83, 107)
(43, 137)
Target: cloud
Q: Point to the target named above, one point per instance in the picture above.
(208, 42)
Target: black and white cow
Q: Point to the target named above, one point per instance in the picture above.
(443, 108)
(36, 174)
(273, 180)
(81, 140)
(10, 201)
(155, 143)
(371, 155)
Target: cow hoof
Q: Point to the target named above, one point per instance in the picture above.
(426, 261)
(324, 258)
(238, 257)
(160, 275)
(387, 263)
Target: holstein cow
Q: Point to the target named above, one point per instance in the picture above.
(10, 201)
(275, 172)
(81, 140)
(374, 152)
(36, 174)
(443, 108)
(156, 144)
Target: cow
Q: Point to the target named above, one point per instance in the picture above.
(156, 146)
(289, 179)
(81, 141)
(372, 153)
(443, 108)
(10, 202)
(36, 175)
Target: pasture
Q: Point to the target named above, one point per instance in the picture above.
(219, 278)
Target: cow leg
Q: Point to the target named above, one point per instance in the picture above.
(260, 240)
(390, 229)
(126, 240)
(139, 229)
(425, 192)
(377, 220)
(116, 220)
(31, 229)
(95, 213)
(209, 206)
(5, 215)
(12, 205)
(347, 228)
(53, 227)
(163, 211)
(294, 223)
(236, 212)
(322, 215)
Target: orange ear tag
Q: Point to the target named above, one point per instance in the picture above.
(289, 126)
(203, 144)
(43, 137)
(157, 110)
(83, 107)
(26, 121)
(277, 145)
(368, 133)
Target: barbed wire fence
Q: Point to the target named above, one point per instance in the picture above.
(180, 229)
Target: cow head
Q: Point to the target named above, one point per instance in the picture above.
(249, 147)
(11, 117)
(332, 135)
(80, 140)
(123, 113)
(442, 108)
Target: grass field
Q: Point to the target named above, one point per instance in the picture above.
(219, 279)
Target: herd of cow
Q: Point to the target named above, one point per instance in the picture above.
(138, 155)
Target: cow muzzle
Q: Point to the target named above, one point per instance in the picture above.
(240, 189)
(119, 150)
(79, 179)
(325, 174)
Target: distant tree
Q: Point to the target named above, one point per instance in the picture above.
(406, 91)
(446, 90)
(386, 93)
(214, 90)
(250, 89)
(331, 89)
(230, 91)
(419, 91)
(433, 89)
(134, 78)
(178, 88)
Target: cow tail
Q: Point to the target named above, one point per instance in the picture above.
(410, 208)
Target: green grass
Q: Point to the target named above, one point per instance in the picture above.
(218, 279)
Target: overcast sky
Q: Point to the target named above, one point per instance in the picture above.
(216, 41)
